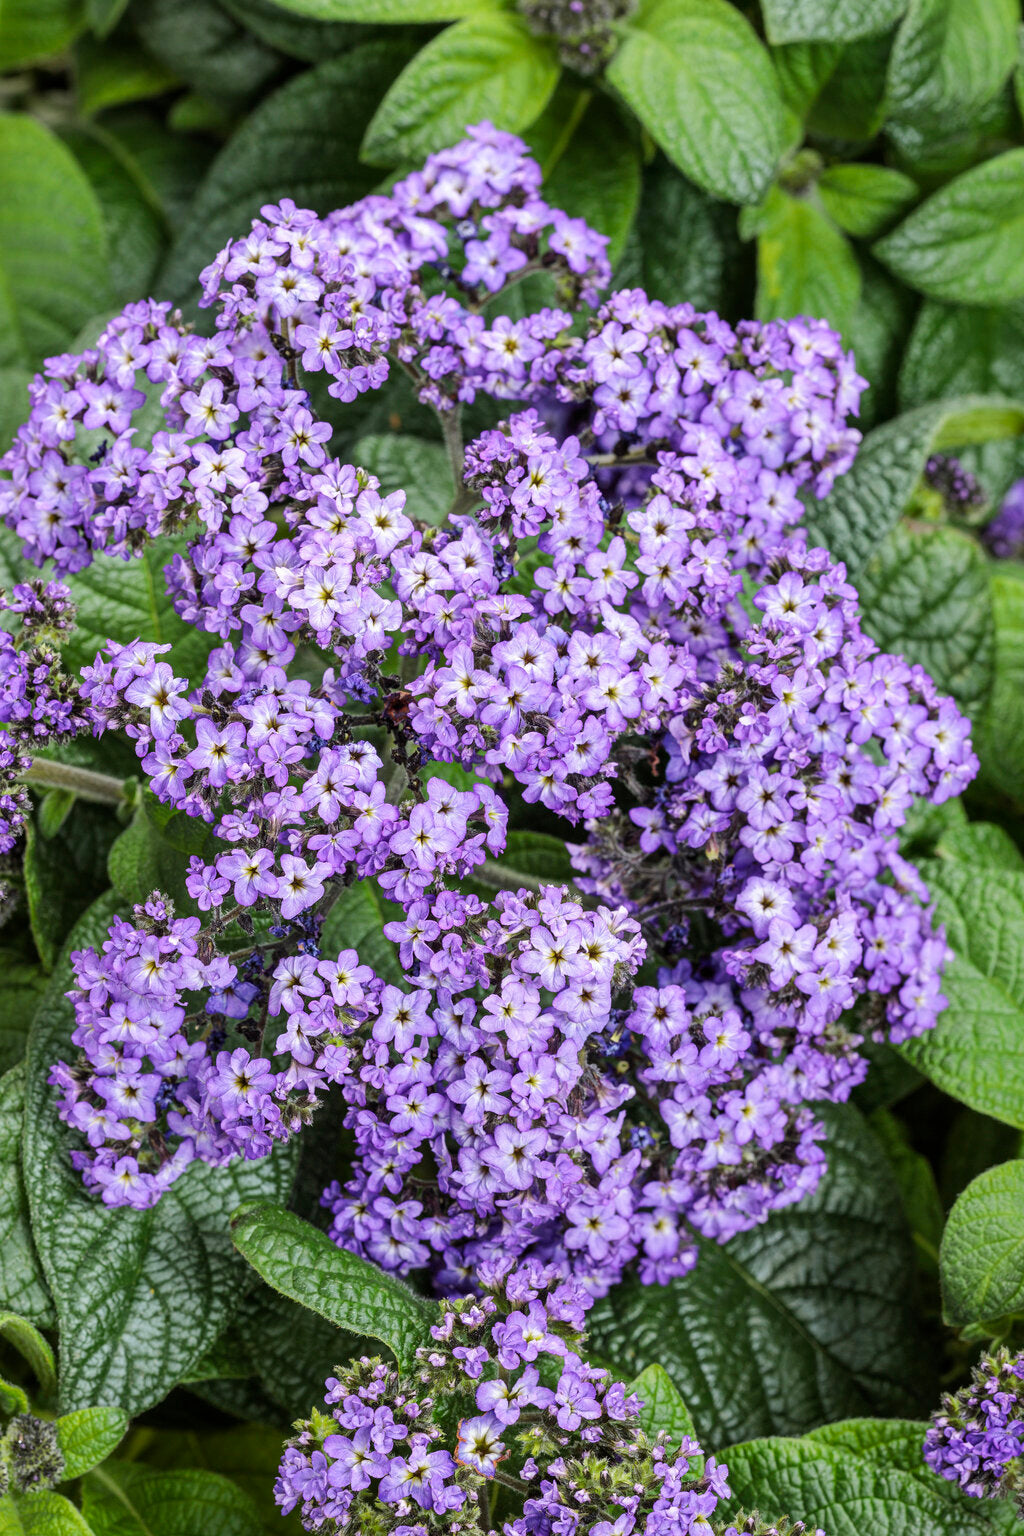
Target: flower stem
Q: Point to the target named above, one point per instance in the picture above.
(102, 788)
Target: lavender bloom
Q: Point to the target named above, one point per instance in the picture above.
(1004, 535)
(977, 1437)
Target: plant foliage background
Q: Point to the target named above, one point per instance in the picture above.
(861, 160)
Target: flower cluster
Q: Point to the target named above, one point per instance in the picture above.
(960, 492)
(977, 1438)
(618, 622)
(541, 1430)
(1004, 535)
(584, 29)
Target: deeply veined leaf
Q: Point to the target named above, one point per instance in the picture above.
(596, 176)
(950, 58)
(41, 1512)
(663, 1411)
(701, 83)
(965, 244)
(382, 11)
(958, 351)
(53, 244)
(88, 1437)
(982, 1254)
(22, 1287)
(789, 21)
(976, 1050)
(805, 1318)
(302, 1263)
(140, 1295)
(411, 464)
(865, 199)
(999, 735)
(488, 65)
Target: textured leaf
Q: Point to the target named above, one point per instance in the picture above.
(804, 265)
(804, 1319)
(413, 465)
(999, 737)
(950, 58)
(143, 860)
(982, 1256)
(197, 41)
(379, 11)
(140, 1295)
(53, 248)
(356, 921)
(701, 83)
(488, 65)
(301, 37)
(965, 244)
(41, 1513)
(981, 843)
(297, 143)
(302, 1263)
(852, 1478)
(957, 351)
(789, 21)
(137, 232)
(976, 1050)
(124, 1499)
(663, 1410)
(865, 199)
(867, 501)
(33, 29)
(24, 985)
(22, 1287)
(88, 1437)
(925, 595)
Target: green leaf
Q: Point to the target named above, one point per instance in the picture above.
(982, 1256)
(356, 921)
(104, 15)
(125, 1499)
(489, 65)
(249, 1454)
(596, 176)
(867, 501)
(686, 245)
(53, 249)
(22, 1287)
(31, 30)
(32, 1347)
(805, 1318)
(804, 265)
(981, 843)
(54, 809)
(701, 83)
(88, 1437)
(976, 1050)
(383, 11)
(851, 108)
(663, 1411)
(302, 1263)
(198, 42)
(835, 21)
(279, 27)
(925, 595)
(24, 984)
(64, 873)
(42, 1513)
(413, 465)
(865, 199)
(864, 1475)
(137, 230)
(965, 244)
(530, 860)
(999, 737)
(950, 58)
(140, 1295)
(297, 143)
(877, 335)
(917, 1187)
(143, 859)
(14, 402)
(957, 351)
(109, 74)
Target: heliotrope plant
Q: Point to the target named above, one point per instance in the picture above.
(618, 620)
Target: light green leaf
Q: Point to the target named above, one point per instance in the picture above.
(109, 74)
(837, 21)
(140, 1295)
(965, 244)
(865, 199)
(411, 464)
(999, 738)
(88, 1437)
(804, 265)
(384, 11)
(489, 65)
(42, 1513)
(950, 58)
(298, 143)
(925, 595)
(302, 1263)
(868, 501)
(981, 843)
(701, 83)
(143, 859)
(806, 1318)
(53, 248)
(125, 1499)
(663, 1411)
(957, 351)
(32, 1347)
(356, 921)
(32, 30)
(976, 1050)
(982, 1256)
(22, 1287)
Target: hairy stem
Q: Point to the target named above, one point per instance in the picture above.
(102, 788)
